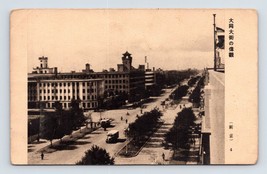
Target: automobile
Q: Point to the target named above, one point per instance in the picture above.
(105, 122)
(112, 136)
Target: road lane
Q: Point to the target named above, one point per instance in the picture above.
(97, 137)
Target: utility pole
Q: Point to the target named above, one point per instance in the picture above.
(214, 31)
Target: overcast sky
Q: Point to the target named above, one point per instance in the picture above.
(171, 39)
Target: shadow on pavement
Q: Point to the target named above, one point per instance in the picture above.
(121, 140)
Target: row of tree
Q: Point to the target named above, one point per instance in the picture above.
(143, 125)
(195, 97)
(173, 77)
(178, 135)
(191, 82)
(62, 122)
(180, 92)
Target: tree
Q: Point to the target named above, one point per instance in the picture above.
(180, 92)
(178, 135)
(76, 114)
(143, 125)
(49, 126)
(196, 94)
(96, 156)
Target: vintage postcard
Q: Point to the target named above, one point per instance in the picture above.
(134, 86)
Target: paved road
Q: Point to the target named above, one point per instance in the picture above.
(152, 151)
(98, 137)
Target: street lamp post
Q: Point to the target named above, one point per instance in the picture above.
(214, 30)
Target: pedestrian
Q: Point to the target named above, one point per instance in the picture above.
(126, 121)
(121, 118)
(163, 156)
(42, 156)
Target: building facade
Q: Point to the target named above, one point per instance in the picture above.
(88, 91)
(46, 85)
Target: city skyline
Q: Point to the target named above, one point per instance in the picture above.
(100, 38)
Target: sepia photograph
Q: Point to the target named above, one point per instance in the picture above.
(132, 86)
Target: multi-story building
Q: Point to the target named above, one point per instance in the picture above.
(149, 79)
(47, 85)
(49, 91)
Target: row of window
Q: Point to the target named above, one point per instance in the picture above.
(93, 76)
(66, 84)
(115, 76)
(65, 91)
(116, 81)
(68, 105)
(44, 98)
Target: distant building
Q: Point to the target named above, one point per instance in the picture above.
(149, 79)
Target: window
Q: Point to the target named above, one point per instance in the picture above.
(48, 91)
(48, 97)
(44, 98)
(65, 97)
(64, 90)
(60, 91)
